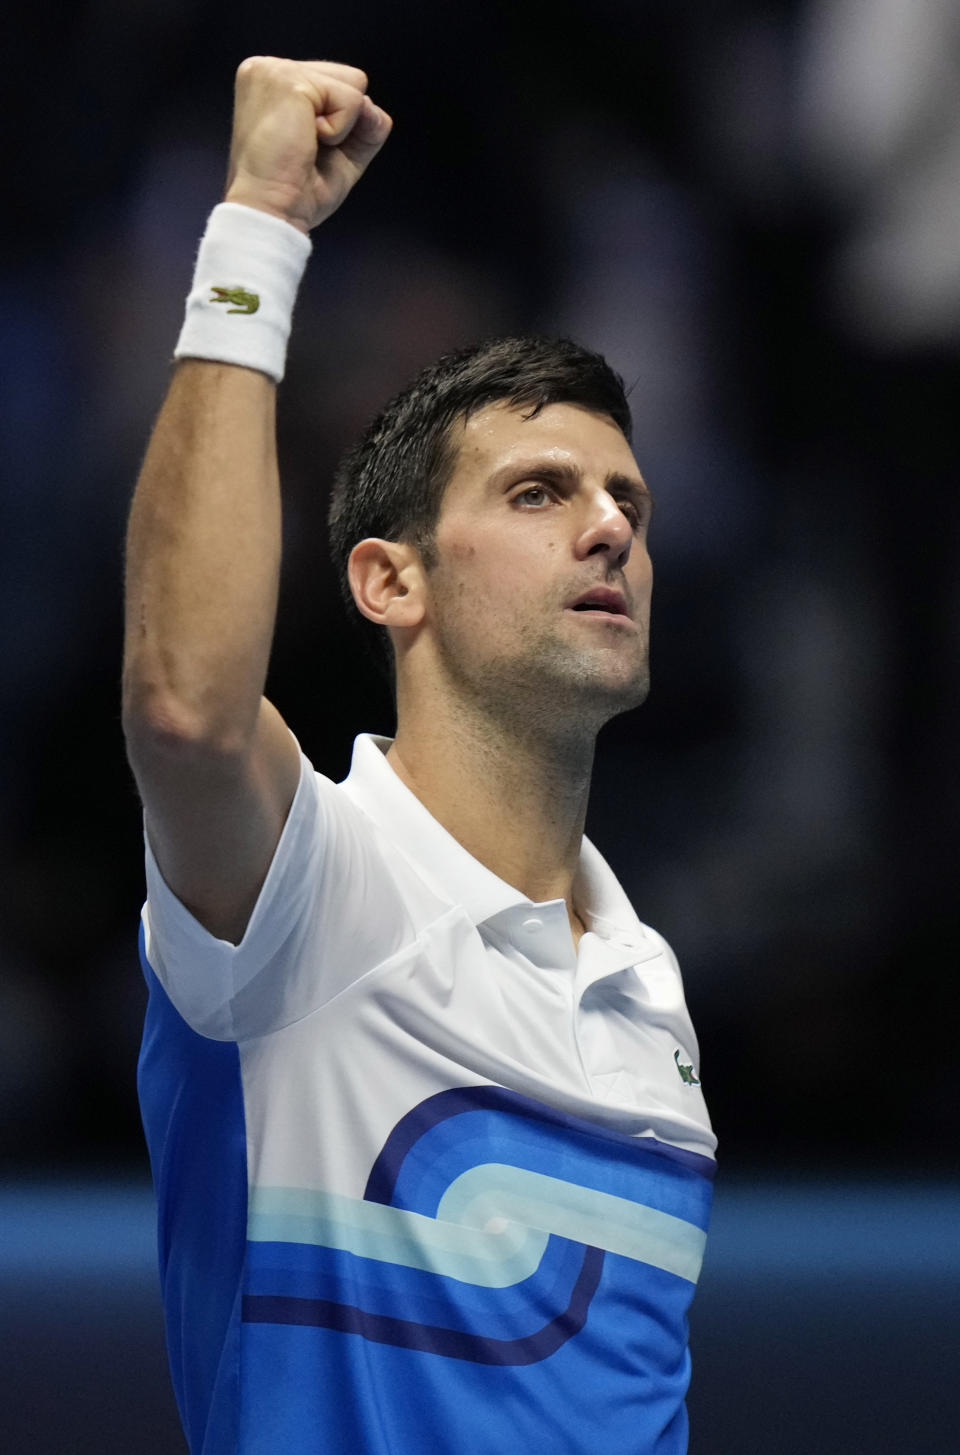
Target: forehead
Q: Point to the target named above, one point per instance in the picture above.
(499, 437)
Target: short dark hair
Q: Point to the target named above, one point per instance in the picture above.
(390, 484)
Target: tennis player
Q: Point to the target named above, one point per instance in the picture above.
(421, 1092)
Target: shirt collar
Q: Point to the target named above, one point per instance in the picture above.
(488, 901)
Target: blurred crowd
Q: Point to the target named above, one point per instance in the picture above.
(751, 209)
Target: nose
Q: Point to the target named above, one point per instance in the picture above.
(607, 528)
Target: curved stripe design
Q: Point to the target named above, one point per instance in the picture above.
(491, 1258)
(436, 1339)
(483, 1232)
(493, 1194)
(491, 1227)
(446, 1104)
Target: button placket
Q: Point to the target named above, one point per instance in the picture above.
(595, 1045)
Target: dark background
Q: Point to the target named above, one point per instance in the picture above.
(752, 210)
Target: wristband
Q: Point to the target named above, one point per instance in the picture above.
(240, 307)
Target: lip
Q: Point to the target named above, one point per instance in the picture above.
(617, 617)
(606, 596)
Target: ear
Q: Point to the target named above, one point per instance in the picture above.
(386, 579)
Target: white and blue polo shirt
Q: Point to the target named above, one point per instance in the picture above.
(428, 1178)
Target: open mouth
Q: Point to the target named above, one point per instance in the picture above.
(592, 609)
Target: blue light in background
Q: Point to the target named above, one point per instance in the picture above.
(827, 1320)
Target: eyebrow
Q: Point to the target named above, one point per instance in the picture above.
(566, 474)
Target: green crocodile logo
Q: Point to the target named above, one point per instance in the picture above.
(246, 302)
(687, 1074)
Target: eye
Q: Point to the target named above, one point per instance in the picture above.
(635, 515)
(532, 489)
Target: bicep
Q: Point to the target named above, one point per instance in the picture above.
(214, 820)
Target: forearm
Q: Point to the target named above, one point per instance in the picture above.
(203, 559)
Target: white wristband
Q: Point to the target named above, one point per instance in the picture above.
(240, 307)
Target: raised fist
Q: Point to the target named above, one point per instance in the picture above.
(303, 134)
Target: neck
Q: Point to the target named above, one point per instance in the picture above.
(516, 801)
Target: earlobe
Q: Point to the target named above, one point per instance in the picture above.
(403, 602)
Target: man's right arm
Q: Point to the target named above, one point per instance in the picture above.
(215, 764)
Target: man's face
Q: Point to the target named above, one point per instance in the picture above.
(538, 512)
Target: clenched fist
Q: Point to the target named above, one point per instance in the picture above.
(303, 134)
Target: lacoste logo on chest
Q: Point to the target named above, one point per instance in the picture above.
(687, 1074)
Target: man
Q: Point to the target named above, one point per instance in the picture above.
(420, 1090)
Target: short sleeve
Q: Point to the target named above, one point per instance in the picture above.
(327, 912)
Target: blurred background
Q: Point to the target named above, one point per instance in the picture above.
(752, 209)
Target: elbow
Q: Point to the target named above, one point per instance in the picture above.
(157, 725)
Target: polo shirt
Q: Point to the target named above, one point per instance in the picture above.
(429, 1179)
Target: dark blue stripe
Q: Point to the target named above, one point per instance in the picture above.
(305, 1271)
(410, 1128)
(453, 1343)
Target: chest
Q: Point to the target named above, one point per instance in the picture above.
(454, 1010)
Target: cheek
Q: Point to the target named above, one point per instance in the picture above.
(454, 580)
(479, 571)
(460, 566)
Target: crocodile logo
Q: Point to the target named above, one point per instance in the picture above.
(687, 1074)
(246, 302)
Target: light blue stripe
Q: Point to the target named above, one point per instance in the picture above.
(495, 1190)
(488, 1258)
(491, 1227)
